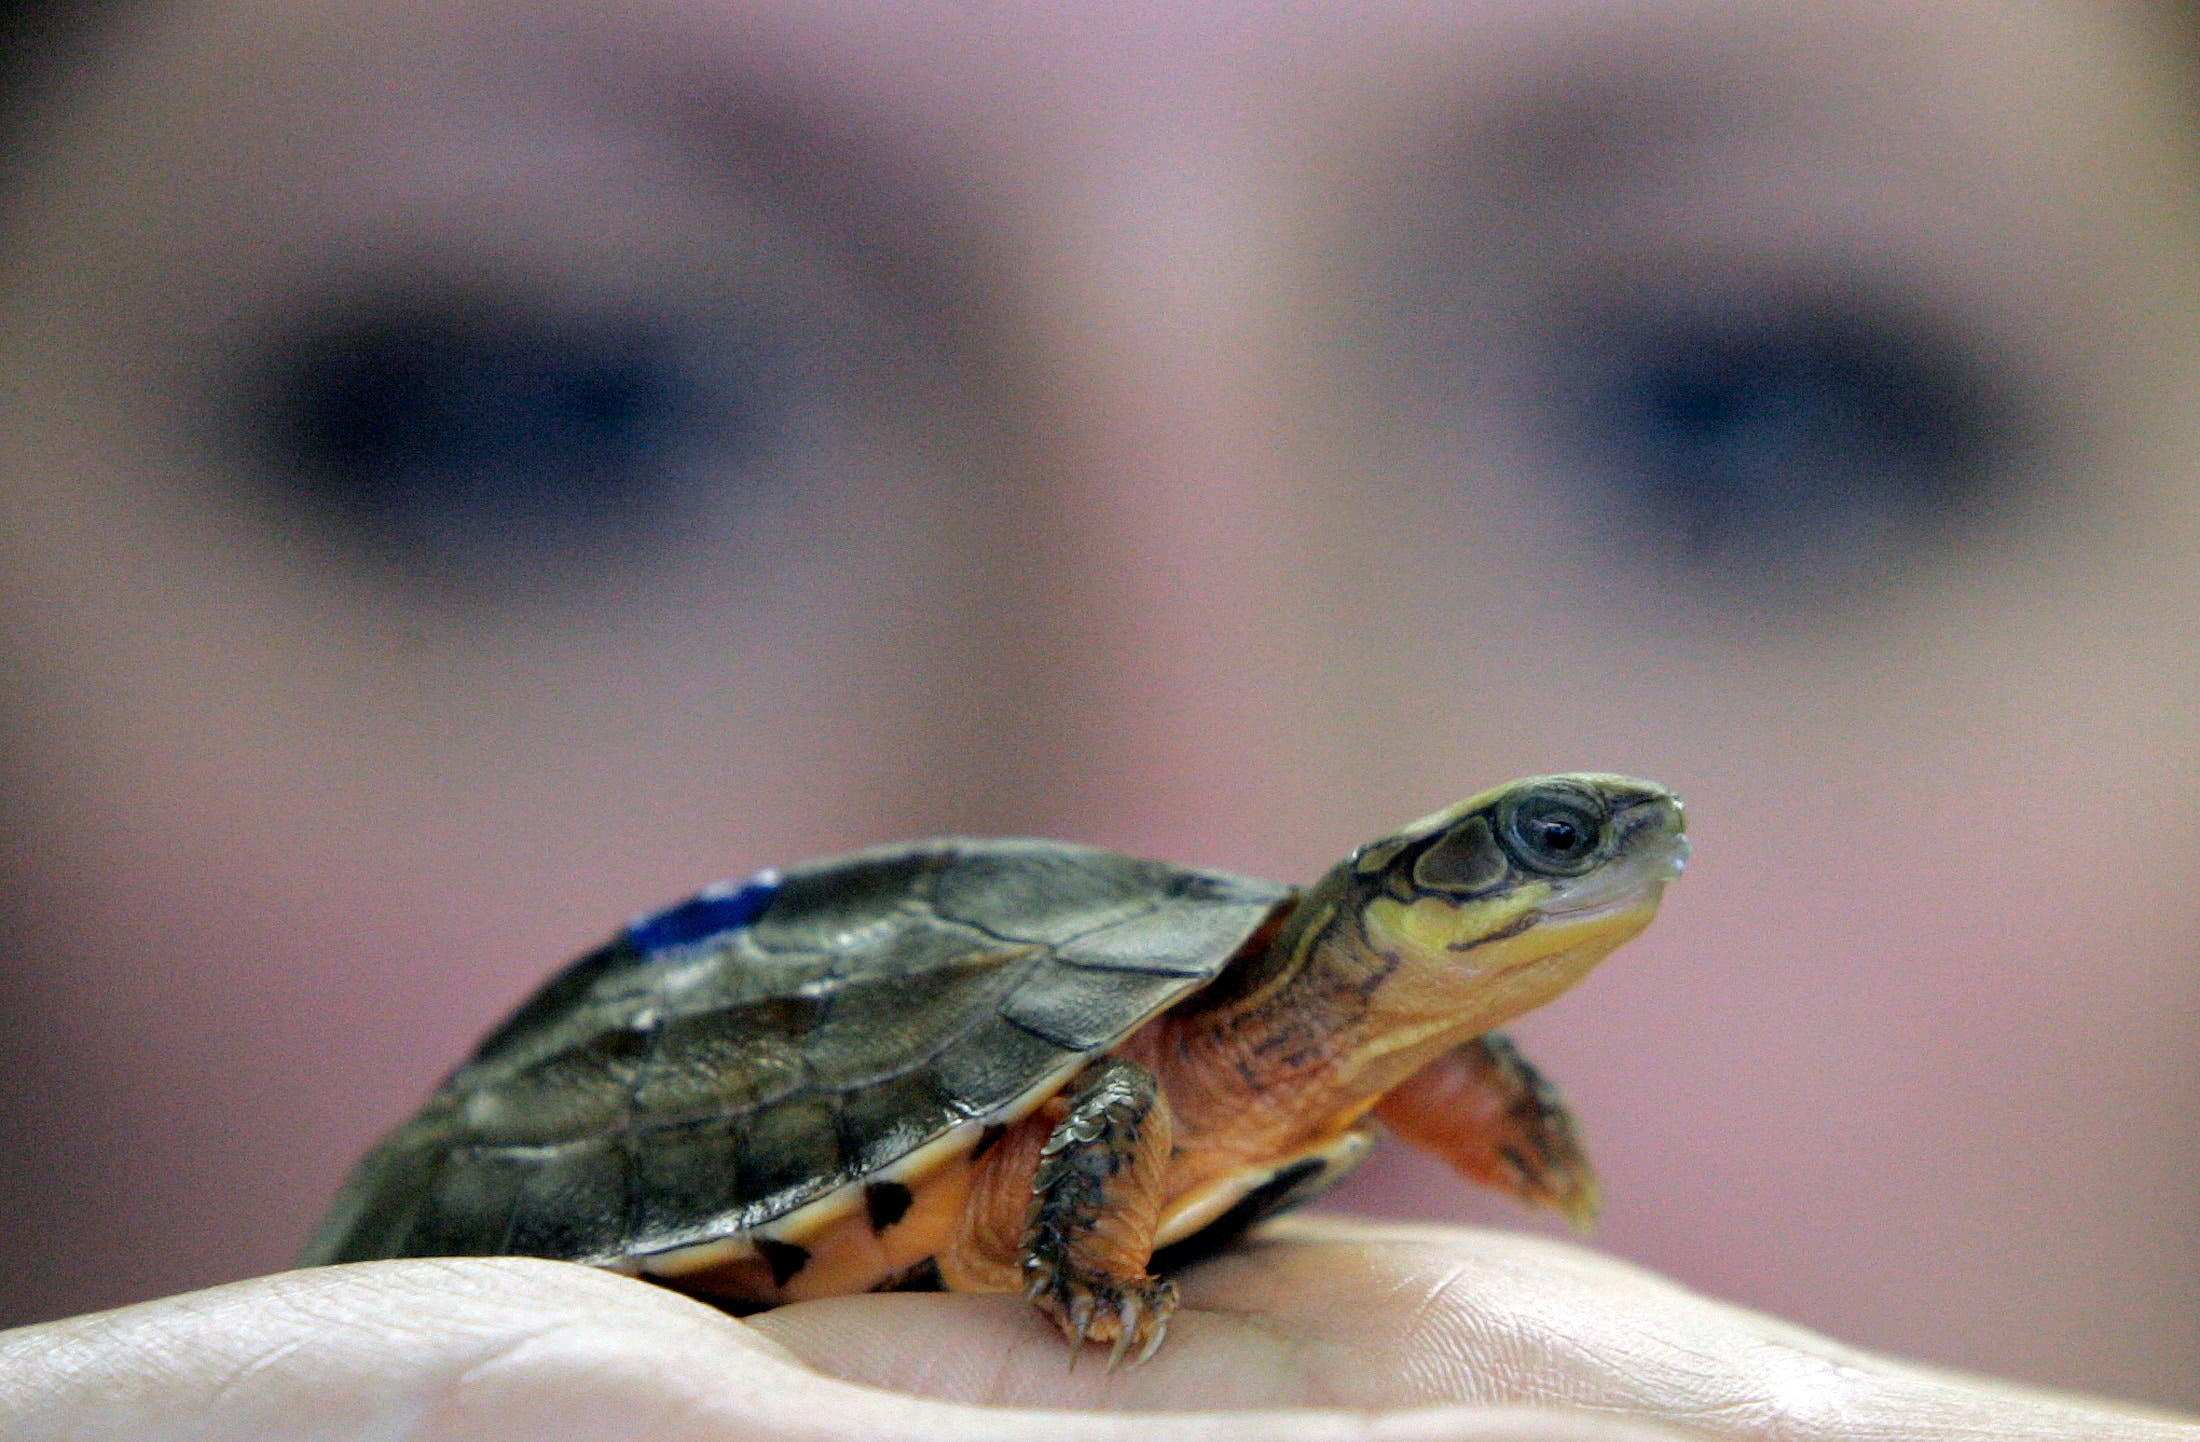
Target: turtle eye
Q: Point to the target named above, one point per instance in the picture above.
(1556, 834)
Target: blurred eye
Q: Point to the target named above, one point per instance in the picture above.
(1786, 452)
(481, 445)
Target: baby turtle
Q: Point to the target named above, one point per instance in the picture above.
(1024, 1065)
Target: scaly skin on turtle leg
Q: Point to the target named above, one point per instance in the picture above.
(1492, 1116)
(1096, 1199)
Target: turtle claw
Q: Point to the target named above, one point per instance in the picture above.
(1129, 1319)
(1141, 1321)
(1126, 1329)
(1081, 1309)
(1153, 1342)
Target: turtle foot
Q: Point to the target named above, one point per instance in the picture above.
(1489, 1113)
(1095, 1194)
(1128, 1318)
(1536, 1143)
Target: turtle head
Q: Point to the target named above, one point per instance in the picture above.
(1499, 903)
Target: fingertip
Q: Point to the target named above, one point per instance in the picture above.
(1513, 1424)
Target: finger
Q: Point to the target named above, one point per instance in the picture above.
(1509, 1318)
(467, 1351)
(1331, 1313)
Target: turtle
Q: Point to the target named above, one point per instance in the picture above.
(1009, 1065)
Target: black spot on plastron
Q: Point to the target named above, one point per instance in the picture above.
(731, 1306)
(784, 1258)
(886, 1203)
(921, 1276)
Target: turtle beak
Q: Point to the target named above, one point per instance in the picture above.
(1659, 827)
(1656, 826)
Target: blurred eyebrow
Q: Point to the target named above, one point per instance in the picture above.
(1589, 129)
(1593, 126)
(911, 237)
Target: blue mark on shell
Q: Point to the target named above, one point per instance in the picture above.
(713, 911)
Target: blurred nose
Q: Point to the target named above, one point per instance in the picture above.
(1185, 602)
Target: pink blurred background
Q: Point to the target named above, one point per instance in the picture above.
(475, 471)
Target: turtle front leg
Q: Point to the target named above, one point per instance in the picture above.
(1096, 1200)
(1492, 1116)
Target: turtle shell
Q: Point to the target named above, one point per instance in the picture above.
(722, 1070)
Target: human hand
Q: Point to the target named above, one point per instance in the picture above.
(1317, 1329)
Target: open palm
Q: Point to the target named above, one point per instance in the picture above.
(1318, 1328)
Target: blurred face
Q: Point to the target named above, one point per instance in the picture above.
(475, 472)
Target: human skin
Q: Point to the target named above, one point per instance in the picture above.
(1317, 1330)
(1174, 467)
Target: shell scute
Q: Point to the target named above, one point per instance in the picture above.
(1171, 942)
(864, 1033)
(884, 1122)
(587, 995)
(996, 1064)
(789, 1154)
(1038, 892)
(840, 906)
(1081, 1009)
(575, 1093)
(684, 1180)
(786, 1043)
(572, 1202)
(567, 1200)
(725, 1062)
(380, 1209)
